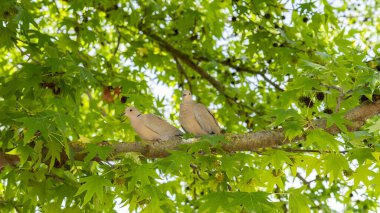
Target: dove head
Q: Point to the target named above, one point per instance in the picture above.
(186, 96)
(131, 112)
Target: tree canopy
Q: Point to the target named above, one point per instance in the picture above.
(294, 84)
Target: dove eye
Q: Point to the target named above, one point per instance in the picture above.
(130, 110)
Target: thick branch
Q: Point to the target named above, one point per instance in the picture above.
(243, 142)
(250, 141)
(237, 142)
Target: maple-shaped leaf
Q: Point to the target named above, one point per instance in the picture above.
(201, 146)
(309, 163)
(253, 201)
(54, 152)
(293, 129)
(337, 119)
(361, 155)
(96, 150)
(282, 116)
(298, 202)
(363, 174)
(230, 165)
(356, 138)
(177, 162)
(272, 179)
(335, 164)
(277, 158)
(375, 127)
(215, 202)
(24, 152)
(214, 140)
(322, 140)
(32, 125)
(93, 184)
(143, 175)
(376, 183)
(157, 200)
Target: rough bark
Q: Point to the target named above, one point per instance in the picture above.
(252, 141)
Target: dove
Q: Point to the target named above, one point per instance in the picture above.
(150, 127)
(195, 118)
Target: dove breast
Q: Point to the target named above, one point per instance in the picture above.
(195, 118)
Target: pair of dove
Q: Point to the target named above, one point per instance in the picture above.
(194, 118)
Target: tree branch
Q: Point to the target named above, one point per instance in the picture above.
(242, 68)
(118, 41)
(305, 182)
(186, 59)
(183, 72)
(271, 82)
(252, 141)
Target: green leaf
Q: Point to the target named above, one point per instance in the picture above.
(214, 140)
(339, 120)
(93, 185)
(298, 202)
(32, 125)
(277, 158)
(253, 201)
(361, 155)
(322, 140)
(230, 165)
(293, 129)
(313, 65)
(6, 38)
(284, 115)
(376, 182)
(375, 127)
(96, 150)
(335, 164)
(54, 152)
(144, 174)
(24, 152)
(363, 174)
(178, 162)
(215, 202)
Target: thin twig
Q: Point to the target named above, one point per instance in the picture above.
(339, 101)
(311, 150)
(56, 7)
(118, 41)
(271, 82)
(183, 72)
(341, 96)
(205, 75)
(23, 53)
(186, 59)
(303, 179)
(333, 87)
(195, 169)
(242, 68)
